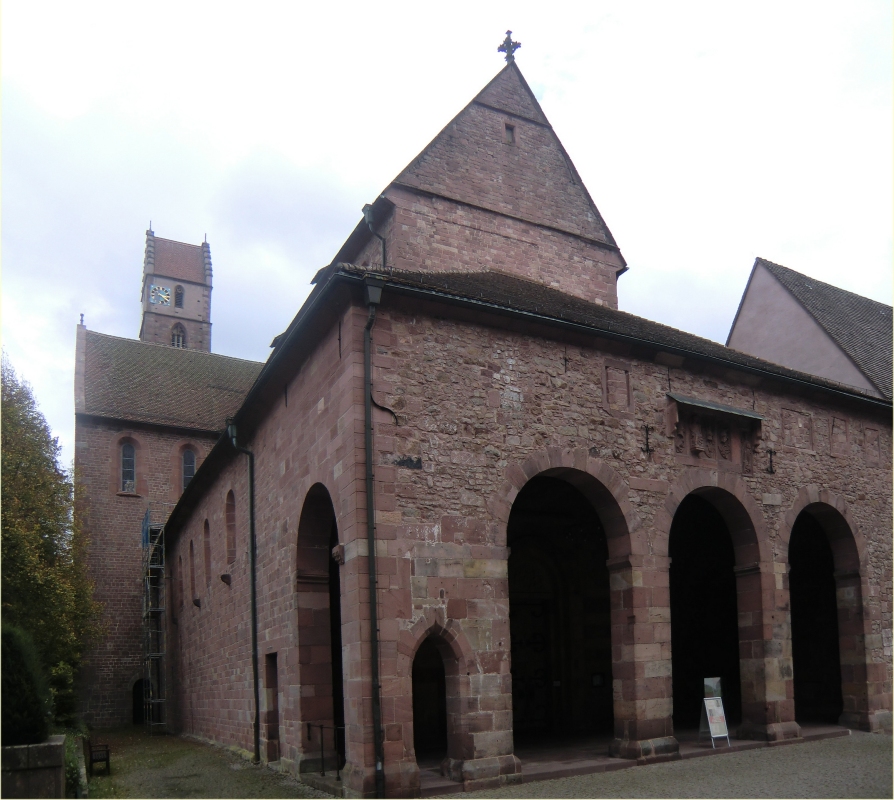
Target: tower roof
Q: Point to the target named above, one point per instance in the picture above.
(177, 260)
(501, 153)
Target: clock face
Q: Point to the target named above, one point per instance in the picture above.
(160, 295)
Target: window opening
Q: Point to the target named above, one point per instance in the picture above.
(178, 337)
(128, 468)
(178, 297)
(510, 134)
(189, 467)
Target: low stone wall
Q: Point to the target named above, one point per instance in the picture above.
(35, 770)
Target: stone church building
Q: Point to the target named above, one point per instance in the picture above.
(467, 502)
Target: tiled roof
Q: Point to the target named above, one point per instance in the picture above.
(140, 382)
(179, 260)
(517, 294)
(859, 326)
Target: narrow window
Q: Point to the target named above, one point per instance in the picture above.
(192, 571)
(189, 467)
(206, 541)
(509, 134)
(178, 336)
(231, 527)
(180, 581)
(128, 468)
(178, 297)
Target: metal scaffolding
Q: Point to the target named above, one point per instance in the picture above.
(154, 627)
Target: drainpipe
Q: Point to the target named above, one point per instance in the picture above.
(373, 295)
(252, 560)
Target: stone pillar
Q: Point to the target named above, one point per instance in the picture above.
(765, 653)
(858, 711)
(641, 658)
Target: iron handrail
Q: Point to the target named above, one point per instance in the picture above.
(335, 729)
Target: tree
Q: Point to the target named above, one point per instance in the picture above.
(45, 588)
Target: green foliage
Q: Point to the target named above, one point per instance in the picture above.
(45, 588)
(73, 784)
(26, 697)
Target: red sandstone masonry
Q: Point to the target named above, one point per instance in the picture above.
(441, 535)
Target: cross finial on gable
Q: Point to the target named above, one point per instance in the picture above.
(509, 47)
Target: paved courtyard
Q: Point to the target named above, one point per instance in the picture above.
(859, 765)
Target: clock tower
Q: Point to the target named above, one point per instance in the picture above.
(176, 294)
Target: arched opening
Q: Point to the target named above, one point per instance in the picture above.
(559, 610)
(187, 467)
(816, 661)
(128, 467)
(429, 705)
(320, 673)
(178, 336)
(704, 611)
(138, 702)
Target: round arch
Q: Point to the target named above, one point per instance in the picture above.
(594, 479)
(833, 514)
(730, 495)
(831, 517)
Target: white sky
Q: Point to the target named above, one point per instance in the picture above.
(707, 133)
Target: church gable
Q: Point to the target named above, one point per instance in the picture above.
(501, 154)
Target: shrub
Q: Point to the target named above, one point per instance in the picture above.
(26, 705)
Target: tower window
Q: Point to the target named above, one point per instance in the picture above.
(189, 467)
(178, 336)
(509, 135)
(178, 297)
(128, 468)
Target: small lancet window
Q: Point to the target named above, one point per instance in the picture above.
(128, 468)
(509, 136)
(178, 297)
(189, 467)
(178, 336)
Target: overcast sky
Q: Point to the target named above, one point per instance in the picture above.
(707, 134)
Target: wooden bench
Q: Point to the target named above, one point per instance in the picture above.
(97, 754)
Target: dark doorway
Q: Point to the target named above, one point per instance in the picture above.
(139, 702)
(429, 703)
(559, 614)
(814, 610)
(338, 689)
(704, 618)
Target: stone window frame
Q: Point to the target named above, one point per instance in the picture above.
(788, 448)
(627, 368)
(116, 476)
(178, 336)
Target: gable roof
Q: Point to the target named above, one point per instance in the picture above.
(469, 161)
(861, 327)
(136, 381)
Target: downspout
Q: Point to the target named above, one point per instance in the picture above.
(252, 560)
(373, 295)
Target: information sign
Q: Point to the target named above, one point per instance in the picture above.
(713, 721)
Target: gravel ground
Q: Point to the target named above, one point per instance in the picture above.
(859, 765)
(171, 766)
(855, 766)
